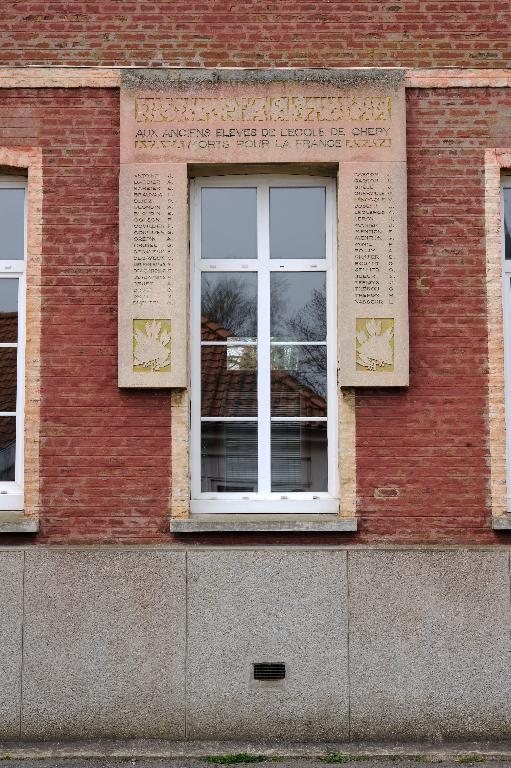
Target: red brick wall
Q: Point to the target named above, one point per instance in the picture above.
(105, 454)
(422, 454)
(429, 446)
(411, 33)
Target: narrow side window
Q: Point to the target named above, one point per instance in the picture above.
(13, 194)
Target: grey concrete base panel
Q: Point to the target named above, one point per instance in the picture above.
(11, 612)
(284, 606)
(159, 643)
(104, 644)
(430, 652)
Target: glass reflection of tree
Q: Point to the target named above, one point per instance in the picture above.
(229, 304)
(304, 365)
(229, 372)
(299, 372)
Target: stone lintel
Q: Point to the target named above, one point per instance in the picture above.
(110, 77)
(251, 523)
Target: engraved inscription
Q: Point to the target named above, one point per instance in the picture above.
(207, 139)
(374, 238)
(374, 347)
(152, 238)
(151, 345)
(152, 328)
(263, 109)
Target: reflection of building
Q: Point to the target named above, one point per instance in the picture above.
(229, 388)
(8, 330)
(229, 378)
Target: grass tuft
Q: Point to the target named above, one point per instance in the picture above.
(239, 757)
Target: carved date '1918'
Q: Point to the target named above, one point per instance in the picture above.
(263, 109)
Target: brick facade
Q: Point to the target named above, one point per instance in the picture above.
(335, 33)
(422, 455)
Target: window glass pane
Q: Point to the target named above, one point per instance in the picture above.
(229, 456)
(12, 224)
(229, 223)
(228, 306)
(229, 380)
(298, 380)
(7, 447)
(297, 222)
(299, 457)
(9, 310)
(8, 378)
(298, 306)
(507, 223)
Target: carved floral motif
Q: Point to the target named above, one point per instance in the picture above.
(151, 345)
(375, 348)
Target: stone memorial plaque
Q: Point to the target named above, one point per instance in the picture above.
(373, 306)
(153, 276)
(351, 122)
(268, 116)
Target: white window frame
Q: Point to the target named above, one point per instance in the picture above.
(506, 307)
(265, 501)
(11, 492)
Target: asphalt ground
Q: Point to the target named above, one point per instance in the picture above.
(340, 759)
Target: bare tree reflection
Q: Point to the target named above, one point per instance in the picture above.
(298, 308)
(231, 302)
(298, 373)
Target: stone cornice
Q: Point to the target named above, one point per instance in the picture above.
(106, 77)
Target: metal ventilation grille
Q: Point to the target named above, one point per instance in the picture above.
(270, 671)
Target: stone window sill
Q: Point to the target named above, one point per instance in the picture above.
(501, 522)
(253, 523)
(17, 522)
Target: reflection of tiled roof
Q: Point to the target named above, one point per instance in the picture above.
(226, 392)
(8, 333)
(211, 331)
(291, 397)
(8, 327)
(7, 432)
(230, 391)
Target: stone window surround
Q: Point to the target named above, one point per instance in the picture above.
(29, 159)
(180, 519)
(495, 162)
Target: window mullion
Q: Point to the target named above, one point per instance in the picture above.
(263, 338)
